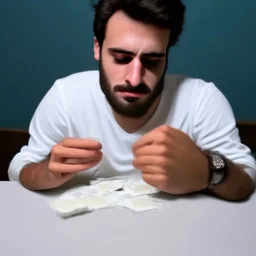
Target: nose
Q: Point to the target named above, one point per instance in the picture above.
(135, 73)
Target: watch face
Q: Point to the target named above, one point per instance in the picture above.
(218, 167)
(217, 161)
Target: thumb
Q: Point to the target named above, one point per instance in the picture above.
(65, 177)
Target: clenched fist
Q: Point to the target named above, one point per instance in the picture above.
(170, 161)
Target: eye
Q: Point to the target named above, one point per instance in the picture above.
(122, 59)
(150, 63)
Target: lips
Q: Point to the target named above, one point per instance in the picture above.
(132, 94)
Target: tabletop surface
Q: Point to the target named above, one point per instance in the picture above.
(192, 225)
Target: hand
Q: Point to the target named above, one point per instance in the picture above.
(74, 155)
(170, 161)
(66, 158)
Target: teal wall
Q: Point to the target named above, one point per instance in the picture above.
(44, 40)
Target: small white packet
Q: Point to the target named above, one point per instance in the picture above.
(138, 204)
(139, 188)
(104, 187)
(78, 192)
(117, 196)
(67, 208)
(115, 178)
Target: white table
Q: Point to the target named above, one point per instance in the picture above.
(195, 225)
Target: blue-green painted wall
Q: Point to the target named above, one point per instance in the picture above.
(43, 40)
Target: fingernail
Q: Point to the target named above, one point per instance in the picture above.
(98, 154)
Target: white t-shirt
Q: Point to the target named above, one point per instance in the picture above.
(76, 107)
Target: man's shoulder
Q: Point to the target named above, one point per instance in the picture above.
(188, 84)
(77, 86)
(184, 80)
(80, 77)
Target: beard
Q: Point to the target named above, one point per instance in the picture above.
(131, 107)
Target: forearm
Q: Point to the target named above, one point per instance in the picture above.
(30, 175)
(238, 185)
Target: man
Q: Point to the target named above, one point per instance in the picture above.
(130, 117)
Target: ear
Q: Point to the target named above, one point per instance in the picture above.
(96, 49)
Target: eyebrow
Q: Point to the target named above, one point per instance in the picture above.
(149, 54)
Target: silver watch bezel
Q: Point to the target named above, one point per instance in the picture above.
(218, 165)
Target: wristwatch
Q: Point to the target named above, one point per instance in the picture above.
(218, 168)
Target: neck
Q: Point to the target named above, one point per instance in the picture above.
(131, 125)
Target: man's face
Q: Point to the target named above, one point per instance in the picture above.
(132, 64)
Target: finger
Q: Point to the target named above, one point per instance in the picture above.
(151, 169)
(64, 178)
(159, 135)
(59, 176)
(71, 168)
(152, 150)
(64, 152)
(67, 175)
(155, 180)
(79, 161)
(58, 179)
(81, 143)
(157, 161)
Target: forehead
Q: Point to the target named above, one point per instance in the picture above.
(135, 36)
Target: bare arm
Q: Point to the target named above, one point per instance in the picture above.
(172, 162)
(237, 187)
(68, 157)
(37, 176)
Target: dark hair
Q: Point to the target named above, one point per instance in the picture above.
(162, 13)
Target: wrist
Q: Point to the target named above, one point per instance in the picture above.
(27, 176)
(31, 176)
(217, 169)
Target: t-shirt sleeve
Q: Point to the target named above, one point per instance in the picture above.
(47, 127)
(215, 129)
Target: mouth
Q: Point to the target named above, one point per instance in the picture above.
(132, 94)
